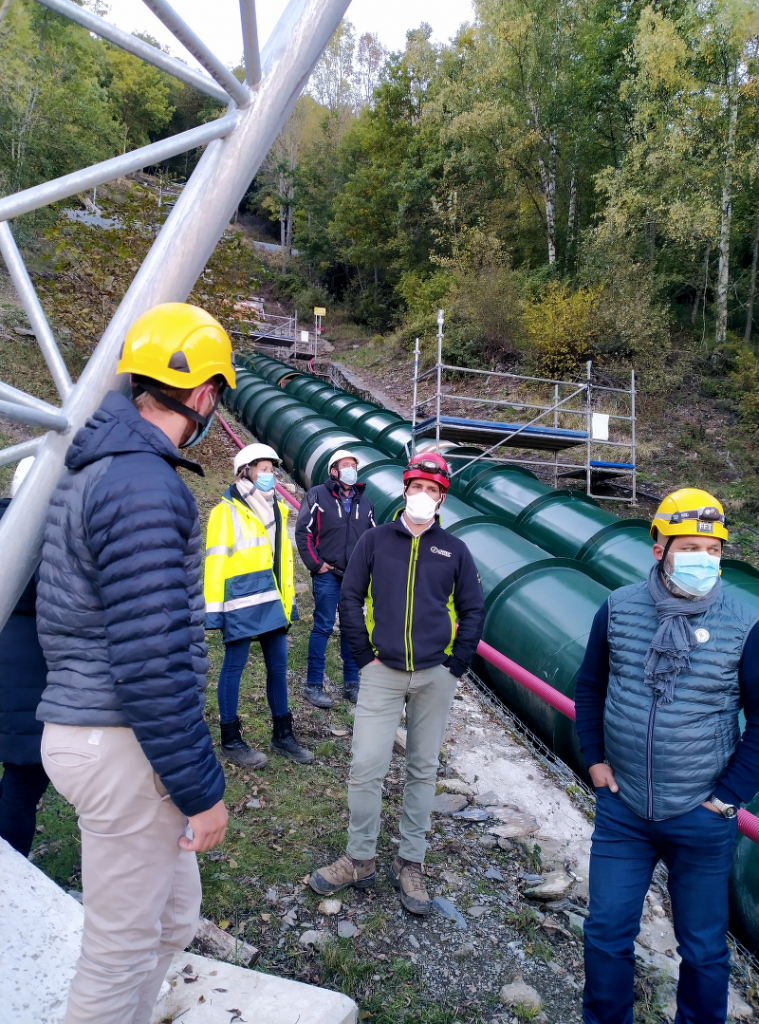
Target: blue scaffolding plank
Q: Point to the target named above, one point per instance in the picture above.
(487, 432)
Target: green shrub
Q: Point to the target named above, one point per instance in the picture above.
(561, 328)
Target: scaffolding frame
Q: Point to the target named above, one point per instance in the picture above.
(235, 146)
(584, 394)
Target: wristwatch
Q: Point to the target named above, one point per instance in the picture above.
(726, 810)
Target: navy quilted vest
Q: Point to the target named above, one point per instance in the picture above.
(667, 759)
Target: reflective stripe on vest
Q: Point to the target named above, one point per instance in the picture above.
(243, 602)
(239, 545)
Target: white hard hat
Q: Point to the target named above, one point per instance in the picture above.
(341, 453)
(253, 453)
(21, 470)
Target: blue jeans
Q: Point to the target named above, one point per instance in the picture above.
(697, 848)
(326, 596)
(274, 647)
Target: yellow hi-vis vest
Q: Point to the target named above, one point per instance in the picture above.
(244, 596)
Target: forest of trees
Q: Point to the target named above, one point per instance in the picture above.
(566, 179)
(569, 178)
(68, 100)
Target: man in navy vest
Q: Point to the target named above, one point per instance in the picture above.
(669, 665)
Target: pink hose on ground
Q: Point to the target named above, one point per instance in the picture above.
(748, 823)
(280, 489)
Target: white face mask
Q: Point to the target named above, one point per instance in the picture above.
(420, 507)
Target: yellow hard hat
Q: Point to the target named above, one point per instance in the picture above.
(179, 345)
(690, 512)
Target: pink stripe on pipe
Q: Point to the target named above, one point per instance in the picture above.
(510, 668)
(280, 489)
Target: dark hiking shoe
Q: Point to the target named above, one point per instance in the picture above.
(235, 749)
(408, 878)
(315, 695)
(351, 693)
(284, 742)
(345, 871)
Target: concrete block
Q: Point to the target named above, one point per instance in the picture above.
(41, 936)
(210, 992)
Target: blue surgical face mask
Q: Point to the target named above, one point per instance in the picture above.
(348, 476)
(265, 481)
(198, 433)
(694, 572)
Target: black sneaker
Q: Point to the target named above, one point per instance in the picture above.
(315, 695)
(351, 693)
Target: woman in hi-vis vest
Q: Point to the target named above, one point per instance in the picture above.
(250, 595)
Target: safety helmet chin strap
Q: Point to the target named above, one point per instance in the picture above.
(171, 403)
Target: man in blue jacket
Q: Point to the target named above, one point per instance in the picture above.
(416, 581)
(333, 517)
(120, 616)
(668, 667)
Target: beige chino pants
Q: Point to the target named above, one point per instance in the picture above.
(141, 890)
(428, 695)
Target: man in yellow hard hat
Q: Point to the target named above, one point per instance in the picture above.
(669, 665)
(120, 618)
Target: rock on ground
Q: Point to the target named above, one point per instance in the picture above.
(315, 938)
(449, 803)
(520, 994)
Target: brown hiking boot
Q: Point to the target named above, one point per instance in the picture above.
(409, 879)
(344, 872)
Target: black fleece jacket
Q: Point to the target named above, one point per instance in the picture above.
(415, 588)
(325, 532)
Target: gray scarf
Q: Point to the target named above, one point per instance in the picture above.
(673, 641)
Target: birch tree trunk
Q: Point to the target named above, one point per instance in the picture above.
(723, 273)
(547, 170)
(571, 216)
(548, 188)
(694, 311)
(752, 286)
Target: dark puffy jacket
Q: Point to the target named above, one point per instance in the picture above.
(22, 678)
(120, 600)
(325, 532)
(415, 588)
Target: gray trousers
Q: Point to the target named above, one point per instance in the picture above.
(427, 694)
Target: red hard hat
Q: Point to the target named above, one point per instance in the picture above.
(428, 466)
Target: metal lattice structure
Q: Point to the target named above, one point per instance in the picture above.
(236, 144)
